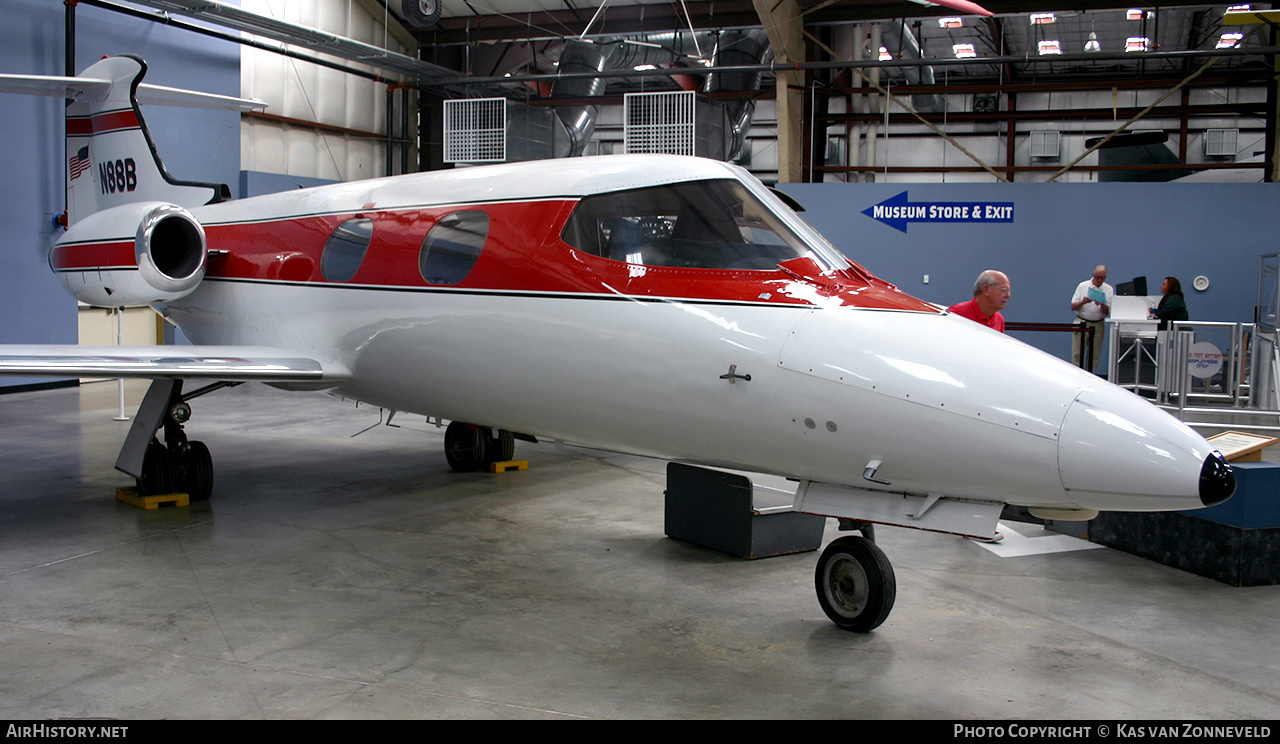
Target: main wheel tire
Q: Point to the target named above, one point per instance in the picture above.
(196, 479)
(157, 476)
(465, 446)
(501, 445)
(855, 584)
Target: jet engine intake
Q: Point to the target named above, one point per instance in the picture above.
(170, 249)
(133, 255)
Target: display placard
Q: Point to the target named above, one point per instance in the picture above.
(1239, 446)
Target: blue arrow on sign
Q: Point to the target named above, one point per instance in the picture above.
(897, 211)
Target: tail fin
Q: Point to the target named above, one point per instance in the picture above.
(111, 159)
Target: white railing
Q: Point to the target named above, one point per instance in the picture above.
(1201, 370)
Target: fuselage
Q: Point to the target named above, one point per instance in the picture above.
(538, 336)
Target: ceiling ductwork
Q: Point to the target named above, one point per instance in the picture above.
(667, 51)
(579, 120)
(738, 48)
(903, 44)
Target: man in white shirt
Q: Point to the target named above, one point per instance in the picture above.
(1092, 304)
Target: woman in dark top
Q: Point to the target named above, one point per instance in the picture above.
(1172, 306)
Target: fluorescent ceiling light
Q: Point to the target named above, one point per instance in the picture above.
(1038, 19)
(1229, 40)
(1049, 46)
(1136, 44)
(950, 22)
(964, 50)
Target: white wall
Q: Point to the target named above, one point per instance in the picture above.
(313, 93)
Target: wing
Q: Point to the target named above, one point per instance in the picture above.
(964, 6)
(279, 367)
(225, 363)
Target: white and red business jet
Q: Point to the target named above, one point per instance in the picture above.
(664, 306)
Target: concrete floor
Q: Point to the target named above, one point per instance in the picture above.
(343, 576)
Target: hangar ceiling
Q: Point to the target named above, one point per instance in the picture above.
(480, 47)
(518, 48)
(489, 39)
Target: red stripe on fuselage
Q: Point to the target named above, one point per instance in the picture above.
(523, 253)
(110, 121)
(81, 256)
(291, 249)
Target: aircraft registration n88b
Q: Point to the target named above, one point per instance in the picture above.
(657, 305)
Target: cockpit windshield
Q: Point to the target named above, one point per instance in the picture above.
(716, 224)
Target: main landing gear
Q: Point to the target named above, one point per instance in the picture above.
(177, 468)
(469, 447)
(175, 465)
(855, 582)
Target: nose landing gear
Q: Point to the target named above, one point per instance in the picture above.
(855, 584)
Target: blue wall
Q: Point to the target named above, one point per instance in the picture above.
(36, 308)
(1056, 235)
(257, 183)
(195, 144)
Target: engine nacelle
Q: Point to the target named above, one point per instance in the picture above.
(132, 255)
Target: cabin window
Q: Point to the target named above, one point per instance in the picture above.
(716, 224)
(452, 247)
(344, 250)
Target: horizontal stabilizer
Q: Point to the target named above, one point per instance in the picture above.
(159, 95)
(226, 363)
(78, 87)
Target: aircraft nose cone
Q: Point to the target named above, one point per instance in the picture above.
(1217, 480)
(1118, 452)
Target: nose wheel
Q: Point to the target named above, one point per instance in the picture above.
(855, 584)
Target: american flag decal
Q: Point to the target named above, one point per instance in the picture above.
(79, 162)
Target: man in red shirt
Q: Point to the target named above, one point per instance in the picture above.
(990, 293)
